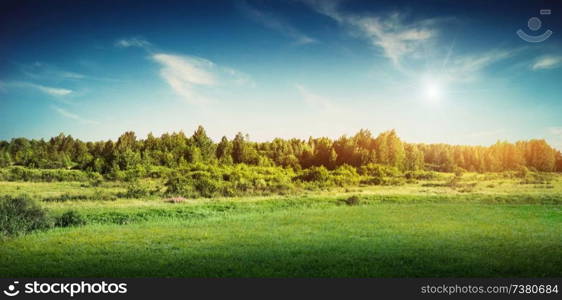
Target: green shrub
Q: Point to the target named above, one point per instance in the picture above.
(158, 171)
(18, 173)
(345, 175)
(538, 178)
(316, 174)
(373, 181)
(458, 171)
(179, 185)
(207, 187)
(136, 189)
(380, 171)
(70, 218)
(95, 179)
(353, 200)
(20, 215)
(522, 172)
(454, 181)
(97, 196)
(394, 181)
(420, 175)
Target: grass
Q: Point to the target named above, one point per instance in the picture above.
(500, 228)
(396, 240)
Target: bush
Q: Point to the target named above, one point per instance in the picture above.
(353, 200)
(420, 175)
(70, 218)
(380, 171)
(538, 178)
(459, 171)
(97, 196)
(522, 172)
(95, 179)
(395, 181)
(135, 189)
(20, 215)
(179, 185)
(316, 174)
(373, 181)
(18, 173)
(345, 175)
(207, 187)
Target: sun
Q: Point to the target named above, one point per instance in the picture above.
(432, 89)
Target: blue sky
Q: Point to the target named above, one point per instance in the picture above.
(437, 71)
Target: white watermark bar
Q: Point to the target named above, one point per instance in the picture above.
(378, 288)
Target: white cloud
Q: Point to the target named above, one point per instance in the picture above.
(547, 62)
(471, 64)
(274, 23)
(71, 75)
(53, 91)
(185, 68)
(132, 42)
(188, 76)
(396, 38)
(73, 116)
(238, 77)
(487, 133)
(556, 137)
(314, 100)
(555, 131)
(42, 71)
(184, 74)
(466, 68)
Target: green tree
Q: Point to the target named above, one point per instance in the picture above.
(204, 143)
(239, 148)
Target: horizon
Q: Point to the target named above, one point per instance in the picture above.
(287, 69)
(216, 140)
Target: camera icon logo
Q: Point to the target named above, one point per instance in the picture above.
(535, 24)
(12, 290)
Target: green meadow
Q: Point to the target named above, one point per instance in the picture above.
(484, 226)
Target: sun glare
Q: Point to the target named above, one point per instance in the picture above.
(432, 89)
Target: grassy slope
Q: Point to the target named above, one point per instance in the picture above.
(444, 233)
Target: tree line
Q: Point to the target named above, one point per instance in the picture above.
(177, 149)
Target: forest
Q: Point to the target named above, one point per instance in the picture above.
(177, 150)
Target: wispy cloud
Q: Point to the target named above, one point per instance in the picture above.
(52, 91)
(239, 78)
(275, 23)
(488, 133)
(133, 42)
(73, 116)
(184, 74)
(390, 33)
(314, 100)
(188, 76)
(547, 62)
(556, 136)
(555, 131)
(40, 70)
(466, 68)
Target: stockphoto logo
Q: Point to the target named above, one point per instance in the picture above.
(12, 291)
(65, 288)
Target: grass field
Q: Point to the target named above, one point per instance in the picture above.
(498, 228)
